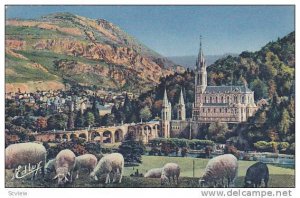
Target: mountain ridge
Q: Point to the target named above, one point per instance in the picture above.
(121, 62)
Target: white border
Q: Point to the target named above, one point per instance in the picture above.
(127, 192)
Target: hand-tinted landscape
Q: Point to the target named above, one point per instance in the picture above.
(89, 105)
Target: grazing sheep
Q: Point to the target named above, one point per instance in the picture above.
(220, 168)
(109, 164)
(49, 167)
(255, 174)
(22, 154)
(64, 166)
(86, 161)
(154, 173)
(170, 170)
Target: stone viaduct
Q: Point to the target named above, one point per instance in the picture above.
(112, 134)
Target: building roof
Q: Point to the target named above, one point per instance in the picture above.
(226, 89)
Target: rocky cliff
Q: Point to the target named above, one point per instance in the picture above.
(68, 48)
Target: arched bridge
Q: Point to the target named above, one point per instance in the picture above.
(139, 131)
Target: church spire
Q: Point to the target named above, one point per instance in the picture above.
(201, 74)
(181, 114)
(181, 100)
(200, 61)
(165, 99)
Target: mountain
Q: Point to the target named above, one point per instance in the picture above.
(269, 70)
(190, 61)
(62, 48)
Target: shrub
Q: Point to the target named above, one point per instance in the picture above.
(264, 146)
(283, 146)
(199, 144)
(271, 146)
(291, 149)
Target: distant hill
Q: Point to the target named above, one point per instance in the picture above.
(273, 64)
(66, 48)
(190, 61)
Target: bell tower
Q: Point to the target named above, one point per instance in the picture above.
(166, 116)
(201, 74)
(181, 114)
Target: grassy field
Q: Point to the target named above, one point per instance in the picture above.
(279, 177)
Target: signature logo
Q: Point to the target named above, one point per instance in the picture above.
(23, 171)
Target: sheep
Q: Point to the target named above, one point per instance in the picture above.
(86, 161)
(109, 164)
(154, 173)
(255, 174)
(64, 165)
(24, 154)
(220, 168)
(49, 167)
(170, 170)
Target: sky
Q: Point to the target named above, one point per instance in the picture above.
(175, 30)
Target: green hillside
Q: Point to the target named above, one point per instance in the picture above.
(103, 55)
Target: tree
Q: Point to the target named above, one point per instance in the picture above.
(272, 88)
(79, 120)
(108, 120)
(57, 121)
(285, 122)
(217, 130)
(127, 109)
(132, 151)
(89, 119)
(96, 112)
(70, 124)
(145, 113)
(25, 121)
(260, 89)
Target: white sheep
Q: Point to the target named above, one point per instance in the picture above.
(64, 165)
(153, 173)
(86, 161)
(109, 164)
(220, 168)
(21, 154)
(170, 170)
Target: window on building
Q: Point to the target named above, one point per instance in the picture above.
(243, 99)
(216, 99)
(210, 100)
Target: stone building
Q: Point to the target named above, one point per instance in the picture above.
(229, 104)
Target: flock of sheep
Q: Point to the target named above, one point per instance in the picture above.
(220, 171)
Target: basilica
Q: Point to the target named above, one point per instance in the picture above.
(229, 104)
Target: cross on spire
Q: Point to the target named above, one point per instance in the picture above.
(200, 61)
(200, 42)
